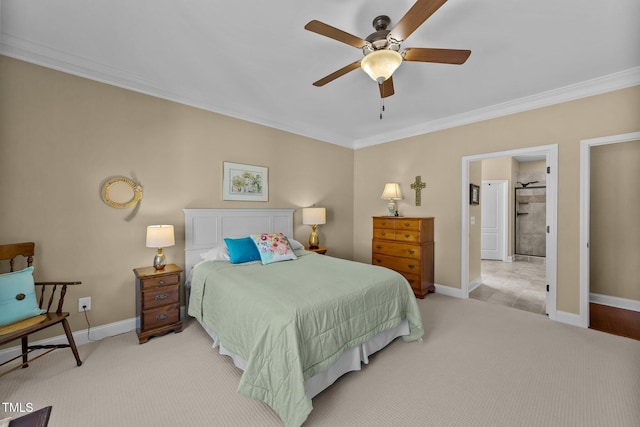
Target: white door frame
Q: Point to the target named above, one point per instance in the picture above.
(551, 153)
(504, 184)
(585, 218)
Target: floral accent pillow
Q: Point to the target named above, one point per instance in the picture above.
(273, 247)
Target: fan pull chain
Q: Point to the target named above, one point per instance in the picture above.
(381, 107)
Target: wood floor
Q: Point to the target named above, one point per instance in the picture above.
(613, 320)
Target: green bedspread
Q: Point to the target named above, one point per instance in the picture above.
(290, 320)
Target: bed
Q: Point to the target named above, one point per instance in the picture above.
(294, 326)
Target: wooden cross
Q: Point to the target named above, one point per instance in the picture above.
(418, 186)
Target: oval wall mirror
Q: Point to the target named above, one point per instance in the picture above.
(120, 192)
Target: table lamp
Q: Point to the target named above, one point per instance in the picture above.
(314, 217)
(160, 236)
(392, 193)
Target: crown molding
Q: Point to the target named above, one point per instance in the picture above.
(604, 84)
(82, 67)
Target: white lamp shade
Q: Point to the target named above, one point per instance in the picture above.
(160, 236)
(380, 64)
(391, 192)
(314, 216)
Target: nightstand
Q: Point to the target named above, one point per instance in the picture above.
(318, 251)
(157, 301)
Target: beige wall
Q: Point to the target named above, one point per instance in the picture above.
(437, 158)
(61, 136)
(475, 237)
(615, 229)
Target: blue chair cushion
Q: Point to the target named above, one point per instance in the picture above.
(18, 296)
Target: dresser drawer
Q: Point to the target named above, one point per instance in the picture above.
(406, 265)
(407, 224)
(160, 296)
(396, 249)
(382, 222)
(413, 279)
(384, 233)
(161, 316)
(150, 282)
(407, 236)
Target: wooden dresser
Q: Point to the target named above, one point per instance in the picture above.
(405, 244)
(157, 301)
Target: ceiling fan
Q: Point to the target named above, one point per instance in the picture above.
(382, 49)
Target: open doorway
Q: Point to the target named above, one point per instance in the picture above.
(608, 242)
(513, 233)
(541, 270)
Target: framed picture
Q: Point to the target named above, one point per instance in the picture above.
(474, 194)
(245, 182)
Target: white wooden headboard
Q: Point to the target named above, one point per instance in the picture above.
(206, 228)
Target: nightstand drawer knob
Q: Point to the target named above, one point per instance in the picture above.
(162, 316)
(161, 282)
(161, 297)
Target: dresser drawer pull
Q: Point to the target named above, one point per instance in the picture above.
(378, 261)
(161, 297)
(406, 224)
(162, 316)
(379, 247)
(161, 282)
(411, 251)
(383, 234)
(384, 223)
(406, 236)
(411, 266)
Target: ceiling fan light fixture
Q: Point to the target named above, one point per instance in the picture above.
(381, 64)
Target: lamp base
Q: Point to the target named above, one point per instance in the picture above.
(392, 208)
(160, 260)
(314, 240)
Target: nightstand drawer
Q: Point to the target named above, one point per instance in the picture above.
(396, 249)
(169, 279)
(162, 296)
(407, 265)
(161, 316)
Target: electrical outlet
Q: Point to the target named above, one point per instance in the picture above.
(84, 304)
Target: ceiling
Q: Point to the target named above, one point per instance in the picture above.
(253, 59)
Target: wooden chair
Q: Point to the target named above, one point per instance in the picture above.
(22, 329)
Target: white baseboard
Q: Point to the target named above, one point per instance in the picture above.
(80, 337)
(449, 291)
(570, 319)
(475, 283)
(627, 304)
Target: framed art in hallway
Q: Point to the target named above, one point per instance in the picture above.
(474, 194)
(245, 182)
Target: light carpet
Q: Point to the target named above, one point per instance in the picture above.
(479, 365)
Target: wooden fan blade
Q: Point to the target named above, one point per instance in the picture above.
(418, 13)
(334, 33)
(386, 88)
(442, 56)
(341, 72)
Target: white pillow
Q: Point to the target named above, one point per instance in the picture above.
(295, 244)
(218, 253)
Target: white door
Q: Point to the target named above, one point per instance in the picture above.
(493, 229)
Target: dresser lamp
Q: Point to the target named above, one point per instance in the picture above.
(314, 217)
(392, 193)
(160, 236)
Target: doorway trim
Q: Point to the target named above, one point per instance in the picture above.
(551, 154)
(585, 216)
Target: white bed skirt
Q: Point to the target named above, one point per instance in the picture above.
(351, 360)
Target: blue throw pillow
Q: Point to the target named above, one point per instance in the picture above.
(17, 296)
(242, 250)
